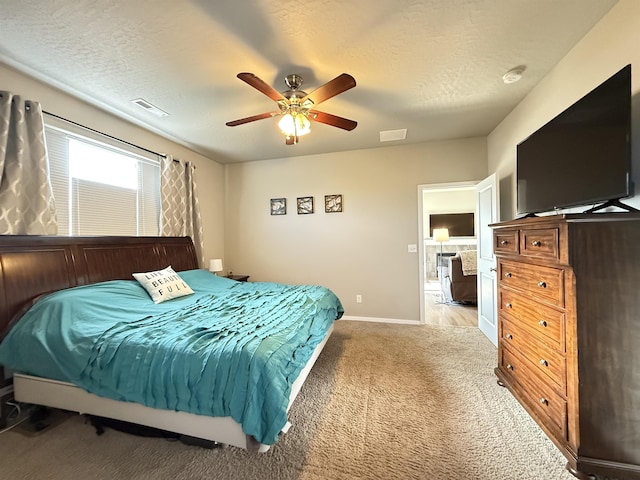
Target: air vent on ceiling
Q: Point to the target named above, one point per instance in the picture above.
(142, 103)
(391, 135)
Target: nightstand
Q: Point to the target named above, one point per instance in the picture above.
(239, 278)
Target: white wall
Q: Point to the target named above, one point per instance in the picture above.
(209, 174)
(609, 46)
(360, 251)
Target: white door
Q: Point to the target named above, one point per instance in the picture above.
(488, 212)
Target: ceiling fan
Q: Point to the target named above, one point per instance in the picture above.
(296, 107)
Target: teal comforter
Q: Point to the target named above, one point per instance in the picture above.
(230, 349)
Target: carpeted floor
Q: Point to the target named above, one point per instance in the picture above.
(382, 402)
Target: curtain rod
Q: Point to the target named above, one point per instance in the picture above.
(106, 135)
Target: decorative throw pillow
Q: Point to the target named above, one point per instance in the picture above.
(163, 285)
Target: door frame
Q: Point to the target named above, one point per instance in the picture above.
(432, 187)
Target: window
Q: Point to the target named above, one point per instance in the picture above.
(102, 186)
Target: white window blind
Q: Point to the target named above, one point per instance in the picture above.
(102, 186)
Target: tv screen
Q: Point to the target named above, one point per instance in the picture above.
(459, 224)
(583, 155)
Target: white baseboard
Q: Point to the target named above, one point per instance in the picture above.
(381, 320)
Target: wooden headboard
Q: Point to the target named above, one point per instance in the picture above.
(31, 265)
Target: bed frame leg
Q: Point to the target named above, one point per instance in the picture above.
(286, 427)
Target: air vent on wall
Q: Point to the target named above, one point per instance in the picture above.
(142, 103)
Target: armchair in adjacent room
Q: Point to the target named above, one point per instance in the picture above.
(460, 283)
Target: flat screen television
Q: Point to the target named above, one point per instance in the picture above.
(583, 155)
(459, 224)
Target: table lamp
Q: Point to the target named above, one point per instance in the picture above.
(215, 265)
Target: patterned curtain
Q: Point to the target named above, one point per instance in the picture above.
(26, 197)
(179, 203)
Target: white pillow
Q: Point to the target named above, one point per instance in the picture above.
(163, 285)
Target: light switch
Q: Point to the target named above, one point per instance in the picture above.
(412, 248)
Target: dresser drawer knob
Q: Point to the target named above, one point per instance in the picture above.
(542, 284)
(544, 401)
(544, 363)
(504, 242)
(542, 323)
(509, 366)
(536, 243)
(508, 336)
(508, 305)
(507, 275)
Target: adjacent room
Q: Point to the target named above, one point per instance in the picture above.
(292, 240)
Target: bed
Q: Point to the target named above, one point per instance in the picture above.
(64, 284)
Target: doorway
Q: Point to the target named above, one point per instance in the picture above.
(438, 201)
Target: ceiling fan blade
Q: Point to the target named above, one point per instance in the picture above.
(341, 83)
(261, 86)
(253, 118)
(333, 120)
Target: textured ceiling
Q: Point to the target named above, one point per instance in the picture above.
(433, 67)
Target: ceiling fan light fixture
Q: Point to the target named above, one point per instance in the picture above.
(295, 107)
(294, 125)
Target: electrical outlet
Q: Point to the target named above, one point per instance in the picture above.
(358, 298)
(412, 248)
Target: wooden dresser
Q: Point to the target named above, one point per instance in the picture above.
(569, 333)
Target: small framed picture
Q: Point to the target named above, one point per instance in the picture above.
(305, 205)
(333, 203)
(278, 206)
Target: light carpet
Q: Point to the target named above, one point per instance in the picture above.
(382, 402)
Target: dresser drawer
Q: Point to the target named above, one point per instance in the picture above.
(548, 406)
(545, 283)
(541, 358)
(506, 241)
(547, 323)
(540, 242)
